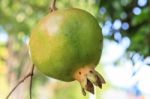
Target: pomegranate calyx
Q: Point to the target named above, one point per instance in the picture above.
(88, 77)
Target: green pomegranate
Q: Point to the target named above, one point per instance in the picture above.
(67, 45)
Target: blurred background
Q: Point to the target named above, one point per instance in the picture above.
(125, 61)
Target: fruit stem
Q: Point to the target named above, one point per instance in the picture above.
(88, 77)
(53, 6)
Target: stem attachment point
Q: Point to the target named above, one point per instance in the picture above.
(53, 6)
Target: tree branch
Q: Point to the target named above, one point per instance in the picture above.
(21, 81)
(31, 79)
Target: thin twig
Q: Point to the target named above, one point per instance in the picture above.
(31, 79)
(21, 81)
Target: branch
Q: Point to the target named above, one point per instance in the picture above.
(31, 79)
(21, 81)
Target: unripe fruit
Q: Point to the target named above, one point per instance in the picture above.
(66, 45)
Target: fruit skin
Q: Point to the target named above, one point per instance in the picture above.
(64, 41)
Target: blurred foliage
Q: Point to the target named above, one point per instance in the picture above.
(138, 31)
(18, 17)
